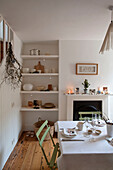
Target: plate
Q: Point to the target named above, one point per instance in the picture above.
(68, 135)
(101, 123)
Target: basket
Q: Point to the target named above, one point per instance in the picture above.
(39, 123)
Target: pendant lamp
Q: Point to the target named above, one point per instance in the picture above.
(108, 40)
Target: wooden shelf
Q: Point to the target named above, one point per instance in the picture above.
(39, 92)
(40, 74)
(39, 57)
(24, 109)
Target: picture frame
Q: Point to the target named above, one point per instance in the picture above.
(86, 69)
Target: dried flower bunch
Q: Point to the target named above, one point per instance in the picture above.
(13, 69)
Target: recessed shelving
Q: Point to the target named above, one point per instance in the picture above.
(40, 79)
(24, 109)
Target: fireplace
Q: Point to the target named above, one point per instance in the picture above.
(83, 109)
(105, 104)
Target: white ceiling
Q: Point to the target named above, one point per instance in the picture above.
(38, 20)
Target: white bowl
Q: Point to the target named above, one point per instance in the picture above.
(25, 70)
(40, 88)
(32, 70)
(28, 87)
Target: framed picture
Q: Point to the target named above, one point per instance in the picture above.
(86, 69)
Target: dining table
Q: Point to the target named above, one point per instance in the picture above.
(84, 151)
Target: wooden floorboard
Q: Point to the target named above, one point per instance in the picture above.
(27, 154)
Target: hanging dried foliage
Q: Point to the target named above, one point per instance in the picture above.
(13, 69)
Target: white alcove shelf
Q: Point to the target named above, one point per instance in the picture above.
(49, 58)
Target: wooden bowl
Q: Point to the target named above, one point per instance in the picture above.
(97, 132)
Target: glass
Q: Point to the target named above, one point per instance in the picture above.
(87, 125)
(86, 122)
(94, 119)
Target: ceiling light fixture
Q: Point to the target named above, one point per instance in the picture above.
(108, 40)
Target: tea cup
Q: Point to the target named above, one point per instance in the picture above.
(80, 126)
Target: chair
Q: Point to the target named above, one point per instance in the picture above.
(56, 152)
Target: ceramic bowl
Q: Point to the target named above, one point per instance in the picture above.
(97, 132)
(40, 88)
(25, 70)
(90, 132)
(28, 87)
(39, 71)
(32, 70)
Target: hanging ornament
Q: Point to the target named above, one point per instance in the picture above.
(13, 69)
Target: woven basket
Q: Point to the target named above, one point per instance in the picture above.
(39, 123)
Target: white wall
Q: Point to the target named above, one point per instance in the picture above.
(86, 51)
(10, 117)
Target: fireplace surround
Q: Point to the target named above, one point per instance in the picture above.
(106, 104)
(83, 109)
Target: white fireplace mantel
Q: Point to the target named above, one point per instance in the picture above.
(106, 103)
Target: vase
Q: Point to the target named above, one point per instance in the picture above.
(85, 91)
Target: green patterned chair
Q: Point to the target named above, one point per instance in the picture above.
(56, 152)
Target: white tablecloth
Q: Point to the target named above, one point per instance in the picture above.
(84, 155)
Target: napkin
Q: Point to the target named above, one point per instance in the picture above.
(110, 140)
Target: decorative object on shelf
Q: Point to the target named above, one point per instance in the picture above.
(98, 91)
(13, 69)
(25, 70)
(39, 102)
(36, 106)
(35, 102)
(39, 71)
(50, 87)
(32, 70)
(55, 88)
(77, 90)
(92, 91)
(34, 52)
(27, 87)
(40, 88)
(53, 70)
(86, 69)
(48, 105)
(30, 103)
(39, 67)
(70, 91)
(105, 90)
(86, 85)
(108, 40)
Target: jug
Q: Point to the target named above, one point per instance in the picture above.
(110, 128)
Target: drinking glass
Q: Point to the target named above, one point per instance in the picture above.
(94, 119)
(87, 126)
